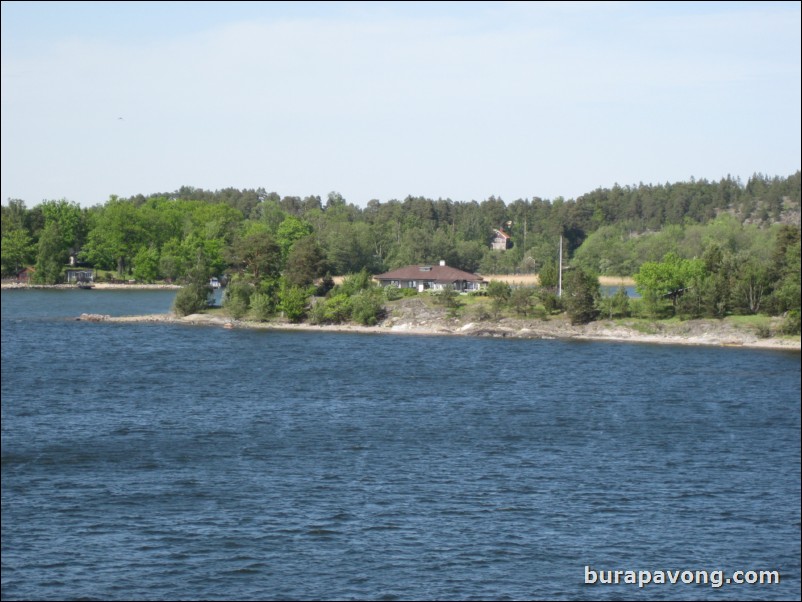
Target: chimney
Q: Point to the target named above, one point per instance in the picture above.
(443, 262)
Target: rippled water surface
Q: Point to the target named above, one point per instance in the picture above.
(153, 461)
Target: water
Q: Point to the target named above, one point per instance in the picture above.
(153, 461)
(610, 291)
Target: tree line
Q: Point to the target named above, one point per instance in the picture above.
(260, 237)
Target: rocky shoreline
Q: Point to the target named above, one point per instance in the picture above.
(691, 332)
(416, 318)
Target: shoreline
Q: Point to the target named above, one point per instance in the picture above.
(512, 329)
(519, 279)
(701, 332)
(101, 286)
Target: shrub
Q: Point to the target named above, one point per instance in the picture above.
(763, 331)
(480, 312)
(292, 301)
(261, 306)
(551, 302)
(237, 307)
(581, 294)
(237, 299)
(792, 323)
(325, 286)
(393, 293)
(367, 308)
(356, 282)
(334, 310)
(190, 299)
(616, 306)
(521, 301)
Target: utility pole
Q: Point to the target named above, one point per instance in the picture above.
(560, 270)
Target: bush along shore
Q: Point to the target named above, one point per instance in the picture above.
(355, 304)
(421, 315)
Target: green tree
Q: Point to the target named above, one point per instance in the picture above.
(349, 246)
(117, 235)
(18, 251)
(367, 307)
(668, 279)
(499, 292)
(581, 296)
(14, 216)
(549, 275)
(62, 233)
(610, 250)
(257, 256)
(787, 294)
(448, 297)
(305, 262)
(617, 305)
(326, 285)
(238, 298)
(293, 301)
(714, 284)
(469, 255)
(69, 218)
(334, 310)
(354, 283)
(194, 295)
(52, 255)
(146, 264)
(522, 301)
(289, 232)
(174, 261)
(262, 306)
(752, 284)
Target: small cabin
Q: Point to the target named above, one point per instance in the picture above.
(501, 240)
(25, 275)
(79, 276)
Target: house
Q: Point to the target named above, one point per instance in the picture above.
(25, 275)
(79, 275)
(501, 240)
(431, 277)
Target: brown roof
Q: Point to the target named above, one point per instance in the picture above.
(436, 273)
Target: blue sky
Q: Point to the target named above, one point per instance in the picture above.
(386, 100)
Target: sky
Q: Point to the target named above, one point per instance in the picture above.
(385, 100)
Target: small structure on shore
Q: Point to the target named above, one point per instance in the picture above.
(25, 275)
(81, 276)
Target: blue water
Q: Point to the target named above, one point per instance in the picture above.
(610, 291)
(153, 461)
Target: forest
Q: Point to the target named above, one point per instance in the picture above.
(719, 247)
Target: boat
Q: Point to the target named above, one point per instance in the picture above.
(86, 285)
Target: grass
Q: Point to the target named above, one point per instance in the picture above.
(750, 321)
(642, 325)
(763, 326)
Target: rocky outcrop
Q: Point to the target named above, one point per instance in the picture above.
(93, 317)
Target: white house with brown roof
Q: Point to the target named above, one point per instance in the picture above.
(431, 277)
